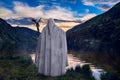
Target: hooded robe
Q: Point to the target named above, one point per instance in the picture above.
(51, 54)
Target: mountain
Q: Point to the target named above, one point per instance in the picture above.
(21, 21)
(26, 39)
(101, 33)
(6, 36)
(28, 21)
(16, 39)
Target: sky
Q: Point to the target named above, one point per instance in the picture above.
(60, 9)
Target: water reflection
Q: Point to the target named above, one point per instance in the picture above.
(73, 61)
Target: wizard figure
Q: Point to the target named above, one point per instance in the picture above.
(51, 53)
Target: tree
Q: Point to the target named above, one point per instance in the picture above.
(36, 22)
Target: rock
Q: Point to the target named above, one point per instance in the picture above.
(51, 53)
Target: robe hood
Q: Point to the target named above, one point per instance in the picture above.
(50, 25)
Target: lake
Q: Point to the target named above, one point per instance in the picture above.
(73, 61)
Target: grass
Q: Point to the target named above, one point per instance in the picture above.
(18, 67)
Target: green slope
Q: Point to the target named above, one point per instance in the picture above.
(98, 40)
(101, 33)
(16, 39)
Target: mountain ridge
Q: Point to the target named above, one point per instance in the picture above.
(100, 33)
(98, 40)
(16, 39)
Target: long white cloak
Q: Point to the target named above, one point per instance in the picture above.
(51, 54)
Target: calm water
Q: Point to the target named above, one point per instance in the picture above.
(73, 61)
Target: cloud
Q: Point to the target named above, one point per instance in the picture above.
(24, 10)
(21, 10)
(101, 4)
(5, 13)
(93, 2)
(104, 7)
(88, 16)
(86, 2)
(87, 11)
(60, 13)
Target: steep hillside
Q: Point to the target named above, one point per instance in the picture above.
(98, 40)
(7, 37)
(101, 33)
(16, 39)
(25, 39)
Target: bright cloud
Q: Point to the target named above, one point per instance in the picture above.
(88, 16)
(21, 10)
(60, 13)
(24, 10)
(5, 13)
(86, 2)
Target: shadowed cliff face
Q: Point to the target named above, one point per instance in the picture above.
(16, 39)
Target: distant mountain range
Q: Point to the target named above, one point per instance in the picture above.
(21, 21)
(28, 21)
(101, 33)
(16, 39)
